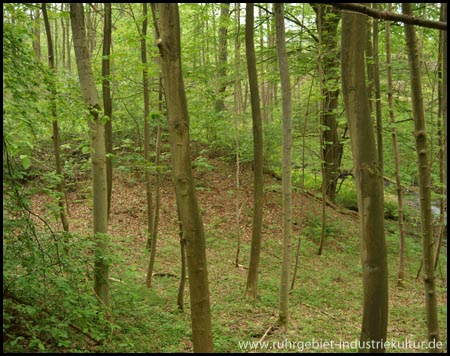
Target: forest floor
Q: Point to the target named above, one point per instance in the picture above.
(325, 304)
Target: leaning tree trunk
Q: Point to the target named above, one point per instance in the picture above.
(55, 136)
(369, 185)
(98, 152)
(420, 133)
(190, 217)
(286, 164)
(252, 277)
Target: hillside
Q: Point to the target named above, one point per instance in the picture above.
(325, 303)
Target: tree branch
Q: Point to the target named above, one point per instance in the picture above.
(390, 16)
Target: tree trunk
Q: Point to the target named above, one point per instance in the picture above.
(402, 253)
(107, 101)
(190, 217)
(376, 79)
(37, 34)
(369, 185)
(286, 164)
(55, 136)
(222, 63)
(420, 133)
(442, 136)
(328, 19)
(98, 152)
(258, 192)
(237, 110)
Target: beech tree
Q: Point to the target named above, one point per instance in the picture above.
(189, 211)
(286, 169)
(423, 167)
(98, 151)
(369, 185)
(258, 183)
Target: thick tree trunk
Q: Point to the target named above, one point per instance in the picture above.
(258, 185)
(190, 217)
(286, 164)
(327, 21)
(55, 135)
(98, 151)
(420, 133)
(369, 185)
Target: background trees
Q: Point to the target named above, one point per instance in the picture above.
(39, 275)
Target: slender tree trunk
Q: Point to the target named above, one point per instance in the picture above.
(107, 101)
(423, 167)
(369, 185)
(98, 152)
(222, 63)
(37, 34)
(237, 110)
(258, 185)
(286, 164)
(170, 51)
(55, 135)
(323, 164)
(402, 253)
(376, 78)
(442, 135)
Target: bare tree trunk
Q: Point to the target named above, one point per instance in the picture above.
(402, 253)
(286, 164)
(190, 217)
(442, 136)
(423, 167)
(258, 185)
(55, 135)
(237, 110)
(369, 185)
(222, 62)
(107, 101)
(98, 151)
(376, 78)
(327, 179)
(37, 34)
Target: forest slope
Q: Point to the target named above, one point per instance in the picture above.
(325, 304)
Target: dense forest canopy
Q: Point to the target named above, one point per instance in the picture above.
(158, 156)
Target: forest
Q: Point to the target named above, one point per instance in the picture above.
(224, 177)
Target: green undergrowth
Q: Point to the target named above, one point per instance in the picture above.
(49, 305)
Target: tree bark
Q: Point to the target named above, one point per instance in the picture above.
(420, 133)
(286, 164)
(98, 152)
(191, 219)
(369, 185)
(258, 185)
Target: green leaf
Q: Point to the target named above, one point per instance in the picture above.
(26, 161)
